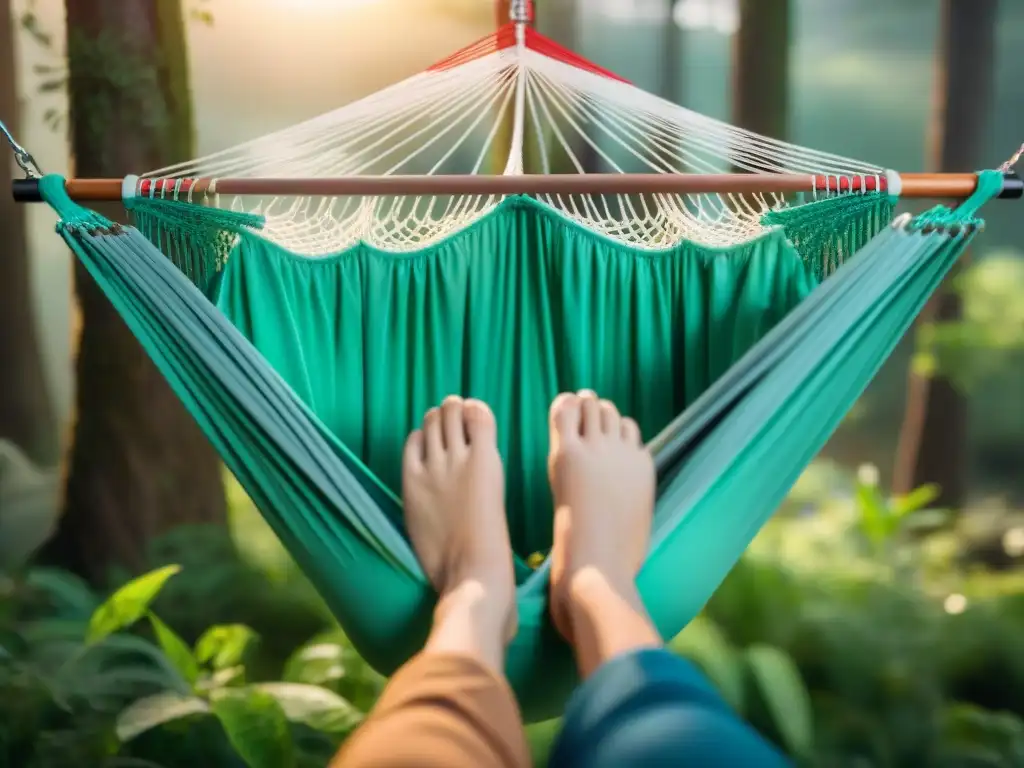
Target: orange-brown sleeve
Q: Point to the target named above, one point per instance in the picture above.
(443, 710)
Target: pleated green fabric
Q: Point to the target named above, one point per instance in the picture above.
(522, 305)
(307, 374)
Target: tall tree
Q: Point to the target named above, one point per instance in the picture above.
(933, 439)
(560, 21)
(139, 464)
(671, 56)
(26, 413)
(503, 139)
(761, 67)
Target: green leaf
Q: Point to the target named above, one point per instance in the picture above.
(967, 725)
(915, 501)
(71, 595)
(177, 651)
(873, 519)
(52, 86)
(330, 661)
(785, 696)
(924, 364)
(203, 17)
(315, 706)
(704, 644)
(317, 664)
(224, 645)
(52, 118)
(256, 726)
(222, 678)
(152, 711)
(30, 23)
(128, 604)
(541, 739)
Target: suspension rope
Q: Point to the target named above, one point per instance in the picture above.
(1010, 164)
(22, 157)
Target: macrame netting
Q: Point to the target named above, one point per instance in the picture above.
(308, 335)
(482, 112)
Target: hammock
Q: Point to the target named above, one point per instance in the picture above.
(308, 332)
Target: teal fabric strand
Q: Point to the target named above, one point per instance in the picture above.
(761, 366)
(196, 238)
(829, 231)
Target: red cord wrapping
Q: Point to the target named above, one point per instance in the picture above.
(505, 38)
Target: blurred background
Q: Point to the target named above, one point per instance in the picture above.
(873, 623)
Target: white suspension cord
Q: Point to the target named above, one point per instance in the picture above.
(448, 120)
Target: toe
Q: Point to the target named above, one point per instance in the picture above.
(453, 427)
(413, 455)
(590, 407)
(565, 414)
(433, 436)
(630, 431)
(481, 427)
(610, 418)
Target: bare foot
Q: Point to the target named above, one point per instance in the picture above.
(603, 482)
(453, 487)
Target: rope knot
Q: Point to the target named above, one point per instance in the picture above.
(1012, 162)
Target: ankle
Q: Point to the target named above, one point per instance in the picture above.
(581, 593)
(491, 605)
(469, 622)
(591, 586)
(602, 617)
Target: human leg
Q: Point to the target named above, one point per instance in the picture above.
(639, 704)
(450, 706)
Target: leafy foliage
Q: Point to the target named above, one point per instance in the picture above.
(989, 339)
(128, 604)
(838, 637)
(98, 695)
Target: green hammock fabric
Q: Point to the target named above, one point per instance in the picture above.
(519, 307)
(308, 374)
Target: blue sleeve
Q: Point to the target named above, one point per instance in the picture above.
(652, 708)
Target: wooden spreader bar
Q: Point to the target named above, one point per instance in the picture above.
(912, 185)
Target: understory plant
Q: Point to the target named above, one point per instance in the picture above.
(82, 689)
(850, 635)
(906, 660)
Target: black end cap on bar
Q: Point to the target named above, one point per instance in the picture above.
(1013, 187)
(26, 191)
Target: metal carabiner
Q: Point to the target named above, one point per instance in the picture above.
(25, 161)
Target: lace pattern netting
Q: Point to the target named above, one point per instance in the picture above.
(499, 106)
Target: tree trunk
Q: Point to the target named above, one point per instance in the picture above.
(672, 57)
(933, 439)
(503, 139)
(26, 413)
(761, 68)
(502, 8)
(139, 464)
(560, 20)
